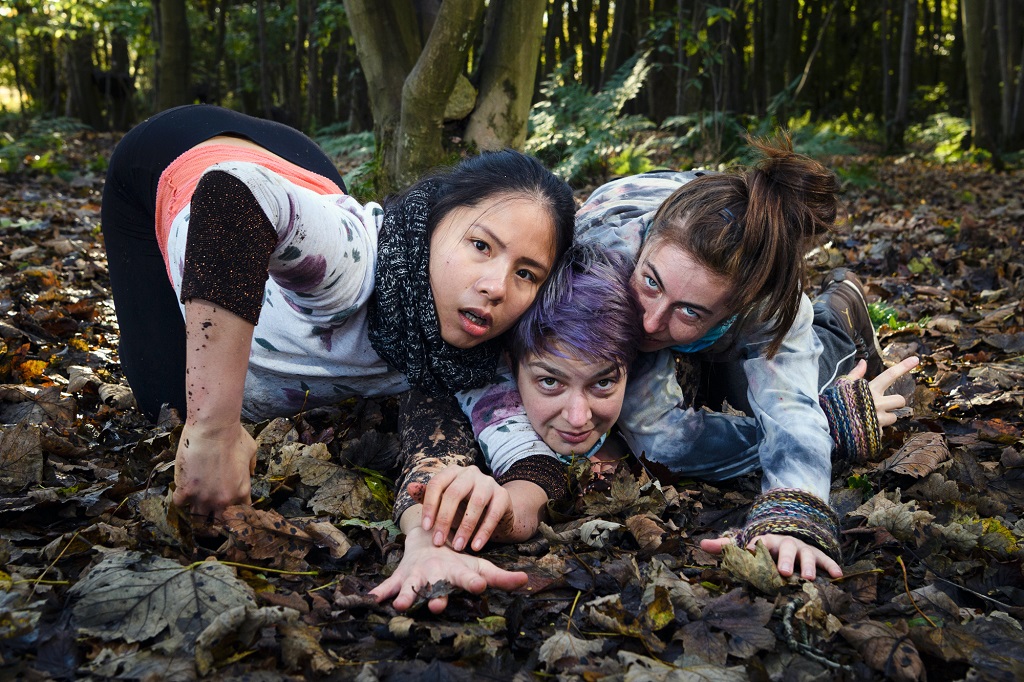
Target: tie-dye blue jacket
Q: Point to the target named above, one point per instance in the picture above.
(787, 436)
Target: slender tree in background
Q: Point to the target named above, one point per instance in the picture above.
(1011, 72)
(982, 132)
(173, 85)
(900, 120)
(82, 100)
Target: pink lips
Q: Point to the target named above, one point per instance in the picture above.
(472, 327)
(574, 438)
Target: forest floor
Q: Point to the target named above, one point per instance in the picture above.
(101, 580)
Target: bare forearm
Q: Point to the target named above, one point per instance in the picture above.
(528, 503)
(217, 356)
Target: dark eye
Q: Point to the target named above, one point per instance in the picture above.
(548, 382)
(527, 275)
(480, 245)
(605, 384)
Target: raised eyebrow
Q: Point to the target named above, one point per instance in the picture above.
(491, 236)
(688, 304)
(604, 372)
(550, 369)
(611, 371)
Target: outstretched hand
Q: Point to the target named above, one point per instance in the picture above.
(886, 405)
(423, 564)
(213, 468)
(788, 551)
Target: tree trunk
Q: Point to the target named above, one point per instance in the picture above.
(778, 38)
(1007, 42)
(661, 81)
(82, 102)
(313, 118)
(261, 40)
(622, 43)
(554, 38)
(758, 95)
(387, 42)
(120, 84)
(219, 51)
(886, 69)
(601, 30)
(1016, 132)
(900, 120)
(982, 134)
(507, 72)
(293, 98)
(174, 55)
(428, 87)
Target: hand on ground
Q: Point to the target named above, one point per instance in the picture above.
(213, 469)
(788, 553)
(424, 564)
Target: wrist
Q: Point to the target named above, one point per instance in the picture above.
(411, 520)
(797, 513)
(214, 427)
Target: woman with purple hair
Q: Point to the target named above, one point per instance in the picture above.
(571, 377)
(718, 266)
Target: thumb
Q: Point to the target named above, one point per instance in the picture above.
(501, 579)
(859, 370)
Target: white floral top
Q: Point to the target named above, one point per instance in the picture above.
(310, 346)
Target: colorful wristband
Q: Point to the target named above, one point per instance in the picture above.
(852, 420)
(788, 511)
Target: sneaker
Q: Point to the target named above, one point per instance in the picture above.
(842, 292)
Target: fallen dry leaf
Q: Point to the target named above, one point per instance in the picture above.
(562, 648)
(919, 456)
(136, 598)
(757, 568)
(886, 649)
(21, 457)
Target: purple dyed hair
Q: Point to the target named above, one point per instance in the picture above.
(587, 310)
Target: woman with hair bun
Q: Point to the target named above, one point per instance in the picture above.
(719, 271)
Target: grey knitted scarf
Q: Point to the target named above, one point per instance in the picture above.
(404, 329)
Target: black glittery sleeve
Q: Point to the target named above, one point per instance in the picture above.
(545, 471)
(434, 434)
(230, 241)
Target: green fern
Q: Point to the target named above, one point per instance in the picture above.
(580, 134)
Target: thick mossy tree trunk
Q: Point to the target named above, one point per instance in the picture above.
(410, 81)
(508, 69)
(413, 52)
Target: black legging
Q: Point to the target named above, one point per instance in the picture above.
(152, 347)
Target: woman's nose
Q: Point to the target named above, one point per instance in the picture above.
(492, 286)
(655, 318)
(577, 412)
